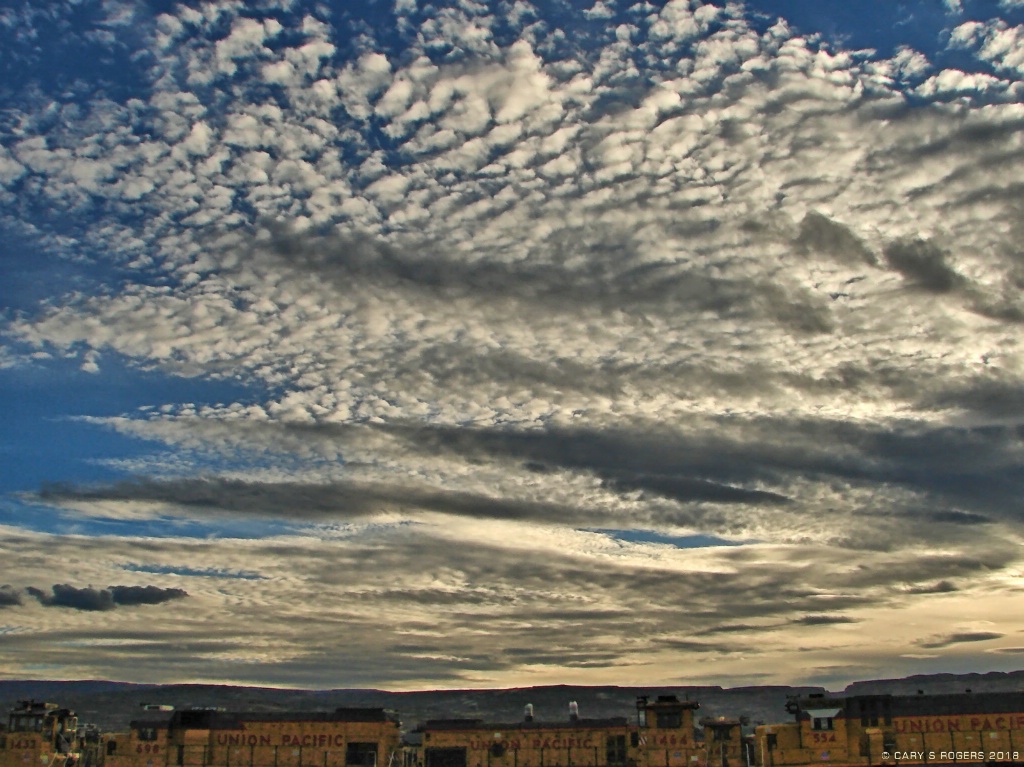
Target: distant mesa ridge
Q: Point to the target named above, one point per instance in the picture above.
(112, 705)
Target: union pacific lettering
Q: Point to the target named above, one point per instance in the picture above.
(286, 739)
(981, 723)
(482, 745)
(312, 740)
(537, 742)
(562, 743)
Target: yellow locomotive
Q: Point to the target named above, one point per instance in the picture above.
(663, 736)
(826, 730)
(346, 737)
(45, 735)
(862, 730)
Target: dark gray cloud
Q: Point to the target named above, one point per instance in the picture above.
(313, 500)
(940, 587)
(956, 517)
(688, 489)
(966, 138)
(9, 597)
(701, 648)
(973, 468)
(91, 599)
(995, 395)
(611, 277)
(924, 265)
(144, 595)
(951, 476)
(64, 595)
(926, 569)
(960, 638)
(797, 311)
(821, 235)
(823, 620)
(736, 628)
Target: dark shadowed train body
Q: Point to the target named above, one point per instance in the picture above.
(346, 737)
(967, 728)
(46, 735)
(663, 735)
(848, 731)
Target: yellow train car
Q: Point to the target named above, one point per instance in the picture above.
(666, 733)
(43, 735)
(346, 737)
(146, 744)
(724, 744)
(862, 730)
(663, 736)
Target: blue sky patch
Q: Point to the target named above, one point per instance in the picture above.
(696, 541)
(195, 572)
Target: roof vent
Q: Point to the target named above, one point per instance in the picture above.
(574, 711)
(528, 712)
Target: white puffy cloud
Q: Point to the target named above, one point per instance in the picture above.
(360, 81)
(10, 169)
(600, 10)
(994, 41)
(244, 41)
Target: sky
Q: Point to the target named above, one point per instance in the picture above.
(457, 344)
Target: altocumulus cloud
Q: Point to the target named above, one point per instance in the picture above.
(496, 278)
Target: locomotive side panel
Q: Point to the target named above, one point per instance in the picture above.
(221, 739)
(581, 744)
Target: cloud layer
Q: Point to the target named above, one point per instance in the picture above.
(505, 286)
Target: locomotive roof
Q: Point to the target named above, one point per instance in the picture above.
(231, 720)
(564, 724)
(154, 724)
(942, 704)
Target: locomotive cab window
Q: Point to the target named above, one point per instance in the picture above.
(823, 723)
(669, 720)
(615, 749)
(26, 724)
(361, 754)
(147, 733)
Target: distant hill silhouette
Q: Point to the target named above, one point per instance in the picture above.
(112, 705)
